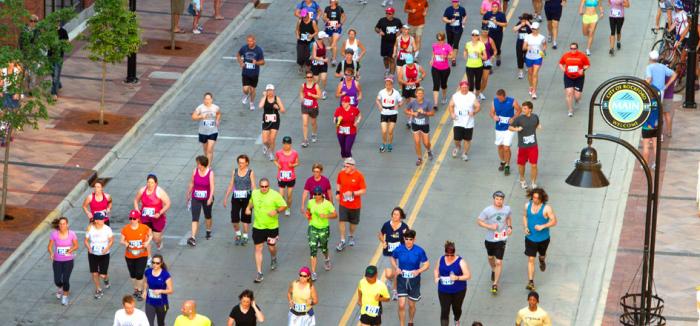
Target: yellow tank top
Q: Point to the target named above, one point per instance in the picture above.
(301, 295)
(474, 54)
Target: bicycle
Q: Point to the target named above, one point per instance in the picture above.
(671, 55)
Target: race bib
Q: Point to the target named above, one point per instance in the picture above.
(456, 22)
(272, 241)
(152, 294)
(473, 55)
(371, 311)
(135, 252)
(419, 121)
(209, 123)
(503, 120)
(285, 175)
(300, 307)
(308, 102)
(521, 36)
(391, 246)
(148, 212)
(249, 65)
(662, 4)
(500, 235)
(492, 25)
(533, 51)
(240, 193)
(333, 24)
(62, 251)
(572, 69)
(304, 37)
(446, 280)
(97, 249)
(317, 63)
(439, 58)
(201, 194)
(352, 100)
(615, 13)
(403, 55)
(529, 139)
(344, 130)
(391, 30)
(270, 118)
(411, 86)
(349, 197)
(407, 274)
(388, 103)
(135, 243)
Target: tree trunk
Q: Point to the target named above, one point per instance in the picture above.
(5, 171)
(172, 30)
(102, 96)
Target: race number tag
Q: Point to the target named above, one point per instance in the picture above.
(333, 24)
(407, 274)
(135, 252)
(521, 36)
(391, 30)
(404, 55)
(503, 120)
(135, 243)
(300, 307)
(153, 295)
(500, 235)
(529, 139)
(349, 197)
(473, 55)
(270, 118)
(439, 58)
(240, 194)
(419, 121)
(411, 86)
(391, 246)
(572, 69)
(285, 174)
(533, 51)
(200, 194)
(97, 249)
(344, 130)
(304, 37)
(456, 22)
(353, 101)
(615, 12)
(317, 63)
(308, 102)
(209, 123)
(62, 251)
(388, 103)
(372, 311)
(446, 280)
(492, 25)
(148, 212)
(249, 65)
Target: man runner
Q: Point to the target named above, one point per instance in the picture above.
(265, 204)
(351, 186)
(388, 28)
(503, 111)
(532, 315)
(497, 221)
(526, 125)
(538, 218)
(371, 292)
(573, 64)
(409, 261)
(250, 57)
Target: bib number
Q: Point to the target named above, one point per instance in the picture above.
(446, 280)
(270, 118)
(152, 294)
(500, 235)
(372, 311)
(300, 307)
(407, 274)
(272, 241)
(403, 55)
(503, 120)
(419, 121)
(308, 102)
(572, 69)
(317, 63)
(249, 65)
(348, 197)
(492, 25)
(522, 36)
(148, 212)
(391, 30)
(388, 103)
(240, 194)
(411, 87)
(97, 249)
(473, 55)
(615, 12)
(209, 123)
(533, 52)
(391, 246)
(352, 100)
(456, 22)
(135, 252)
(201, 194)
(529, 139)
(285, 175)
(62, 251)
(344, 130)
(304, 37)
(439, 58)
(333, 24)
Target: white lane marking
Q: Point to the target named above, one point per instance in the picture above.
(266, 59)
(197, 136)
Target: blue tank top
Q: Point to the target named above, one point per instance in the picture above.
(445, 285)
(591, 3)
(536, 219)
(350, 91)
(504, 111)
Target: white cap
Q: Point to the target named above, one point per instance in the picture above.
(322, 34)
(654, 55)
(475, 32)
(269, 87)
(535, 25)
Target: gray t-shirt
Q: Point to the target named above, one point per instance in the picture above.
(421, 119)
(207, 126)
(527, 137)
(493, 215)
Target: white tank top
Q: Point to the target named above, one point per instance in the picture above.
(99, 239)
(354, 47)
(464, 104)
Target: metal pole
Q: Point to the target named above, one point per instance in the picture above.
(131, 62)
(689, 102)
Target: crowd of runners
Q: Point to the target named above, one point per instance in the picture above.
(256, 207)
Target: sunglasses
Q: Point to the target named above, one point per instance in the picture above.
(309, 77)
(156, 262)
(267, 186)
(573, 49)
(133, 218)
(303, 275)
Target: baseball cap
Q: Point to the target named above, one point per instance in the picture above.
(303, 12)
(406, 26)
(371, 271)
(305, 270)
(322, 34)
(345, 99)
(349, 51)
(409, 58)
(134, 213)
(463, 83)
(535, 25)
(287, 140)
(389, 78)
(350, 161)
(499, 194)
(654, 55)
(390, 10)
(98, 216)
(318, 190)
(475, 32)
(269, 87)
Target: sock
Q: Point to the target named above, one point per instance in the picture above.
(245, 235)
(238, 233)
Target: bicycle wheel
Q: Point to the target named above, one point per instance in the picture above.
(679, 84)
(658, 46)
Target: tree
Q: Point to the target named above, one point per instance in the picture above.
(112, 34)
(23, 55)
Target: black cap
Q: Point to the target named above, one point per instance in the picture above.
(318, 190)
(349, 51)
(371, 271)
(499, 194)
(98, 216)
(287, 140)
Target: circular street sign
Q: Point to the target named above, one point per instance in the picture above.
(627, 104)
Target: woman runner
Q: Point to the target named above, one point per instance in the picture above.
(589, 20)
(209, 116)
(405, 45)
(136, 237)
(420, 110)
(534, 46)
(488, 64)
(302, 297)
(475, 54)
(451, 275)
(98, 201)
(98, 241)
(62, 244)
(159, 285)
(617, 18)
(522, 29)
(349, 87)
(358, 49)
(309, 93)
(200, 196)
(334, 16)
(346, 119)
(409, 77)
(241, 185)
(388, 103)
(286, 160)
(272, 107)
(154, 202)
(319, 62)
(440, 67)
(247, 312)
(306, 30)
(391, 237)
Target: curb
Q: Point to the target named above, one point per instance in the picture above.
(136, 131)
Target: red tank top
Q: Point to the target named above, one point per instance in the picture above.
(309, 101)
(411, 72)
(99, 206)
(320, 50)
(403, 47)
(150, 205)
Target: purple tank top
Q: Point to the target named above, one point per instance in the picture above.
(200, 190)
(352, 92)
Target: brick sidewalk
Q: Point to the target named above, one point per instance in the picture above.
(677, 246)
(47, 163)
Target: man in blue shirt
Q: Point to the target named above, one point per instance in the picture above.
(250, 57)
(409, 261)
(656, 74)
(538, 218)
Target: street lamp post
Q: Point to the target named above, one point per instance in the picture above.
(588, 174)
(131, 61)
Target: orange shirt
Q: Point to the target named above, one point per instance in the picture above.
(351, 182)
(417, 18)
(574, 63)
(136, 240)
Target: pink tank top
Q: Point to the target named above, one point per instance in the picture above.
(150, 205)
(99, 206)
(200, 189)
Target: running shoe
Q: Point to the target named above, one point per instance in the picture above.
(394, 295)
(554, 45)
(454, 63)
(523, 184)
(327, 264)
(444, 100)
(351, 241)
(389, 148)
(534, 185)
(494, 289)
(323, 95)
(314, 138)
(107, 285)
(258, 278)
(465, 157)
(244, 100)
(160, 246)
(570, 114)
(455, 151)
(265, 150)
(549, 38)
(543, 265)
(534, 95)
(520, 74)
(334, 63)
(273, 263)
(653, 166)
(481, 96)
(191, 242)
(98, 294)
(588, 52)
(237, 240)
(314, 276)
(430, 155)
(244, 241)
(208, 235)
(341, 246)
(138, 295)
(611, 52)
(384, 3)
(539, 18)
(287, 212)
(493, 276)
(252, 107)
(506, 170)
(305, 144)
(529, 91)
(271, 156)
(64, 300)
(419, 161)
(364, 2)
(618, 45)
(59, 294)
(196, 31)
(501, 166)
(382, 148)
(530, 286)
(498, 62)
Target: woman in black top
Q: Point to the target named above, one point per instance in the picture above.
(272, 106)
(306, 30)
(521, 29)
(246, 313)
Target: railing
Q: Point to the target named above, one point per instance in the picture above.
(54, 5)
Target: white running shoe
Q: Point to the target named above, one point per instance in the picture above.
(521, 75)
(323, 95)
(465, 157)
(252, 107)
(481, 96)
(287, 213)
(244, 100)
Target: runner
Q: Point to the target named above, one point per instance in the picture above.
(503, 110)
(154, 202)
(440, 67)
(420, 110)
(490, 46)
(265, 205)
(62, 244)
(348, 64)
(589, 20)
(310, 6)
(573, 64)
(475, 54)
(552, 10)
(129, 315)
(534, 46)
(159, 285)
(497, 221)
(350, 187)
(495, 21)
(405, 45)
(666, 7)
(388, 28)
(317, 179)
(537, 8)
(451, 275)
(532, 315)
(371, 292)
(358, 49)
(350, 87)
(302, 296)
(306, 29)
(200, 196)
(390, 237)
(209, 116)
(388, 102)
(246, 312)
(538, 218)
(272, 107)
(250, 57)
(526, 125)
(98, 201)
(136, 239)
(409, 261)
(660, 77)
(334, 17)
(522, 29)
(409, 77)
(319, 211)
(98, 241)
(417, 10)
(346, 117)
(309, 93)
(286, 160)
(319, 63)
(617, 18)
(463, 107)
(190, 317)
(455, 17)
(241, 185)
